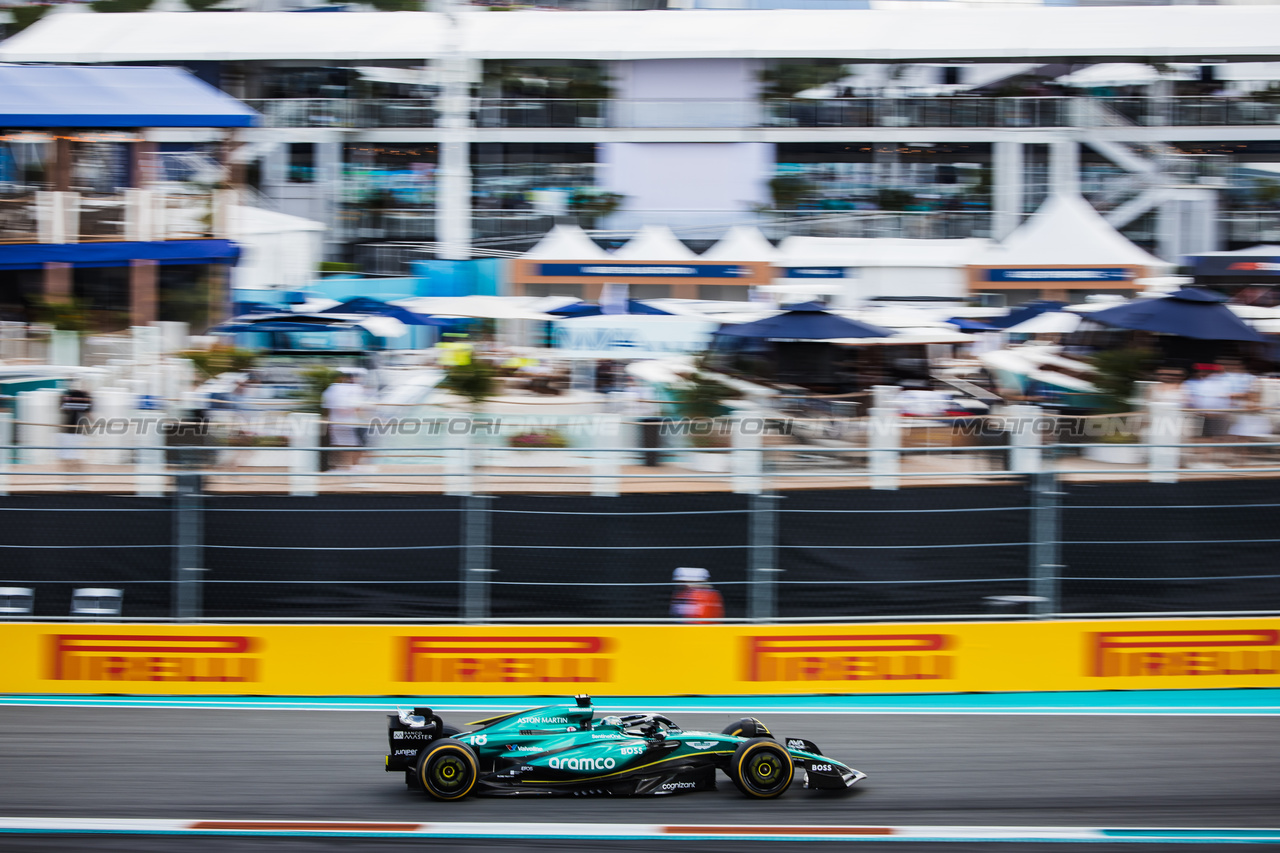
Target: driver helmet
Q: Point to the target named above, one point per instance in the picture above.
(611, 722)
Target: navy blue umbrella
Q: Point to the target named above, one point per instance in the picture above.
(242, 308)
(279, 324)
(590, 309)
(1025, 312)
(964, 324)
(809, 321)
(1188, 313)
(365, 305)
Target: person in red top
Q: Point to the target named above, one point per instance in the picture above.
(695, 601)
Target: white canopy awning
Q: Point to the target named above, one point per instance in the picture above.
(654, 243)
(1067, 231)
(741, 244)
(566, 243)
(878, 252)
(1009, 33)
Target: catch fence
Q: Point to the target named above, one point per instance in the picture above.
(976, 541)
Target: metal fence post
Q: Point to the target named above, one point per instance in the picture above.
(474, 565)
(188, 541)
(762, 593)
(1046, 528)
(6, 452)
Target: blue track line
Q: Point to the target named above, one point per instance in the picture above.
(1248, 702)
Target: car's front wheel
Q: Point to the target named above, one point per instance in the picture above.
(761, 768)
(448, 769)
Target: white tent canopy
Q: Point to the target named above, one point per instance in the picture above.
(878, 252)
(742, 243)
(277, 251)
(479, 307)
(654, 243)
(1048, 323)
(1009, 34)
(1122, 74)
(566, 243)
(1067, 231)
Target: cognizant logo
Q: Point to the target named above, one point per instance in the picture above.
(581, 763)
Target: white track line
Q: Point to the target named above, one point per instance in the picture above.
(766, 832)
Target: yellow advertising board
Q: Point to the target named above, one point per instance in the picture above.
(379, 660)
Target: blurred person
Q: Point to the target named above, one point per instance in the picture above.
(1211, 399)
(1169, 386)
(76, 406)
(696, 601)
(344, 403)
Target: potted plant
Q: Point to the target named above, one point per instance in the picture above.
(1117, 373)
(701, 400)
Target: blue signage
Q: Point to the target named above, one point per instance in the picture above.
(607, 269)
(815, 272)
(1253, 266)
(1023, 275)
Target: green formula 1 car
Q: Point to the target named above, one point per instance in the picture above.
(565, 750)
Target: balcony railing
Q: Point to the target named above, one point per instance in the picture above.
(166, 212)
(1056, 111)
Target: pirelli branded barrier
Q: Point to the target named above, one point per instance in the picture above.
(638, 660)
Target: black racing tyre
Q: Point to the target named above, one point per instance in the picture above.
(447, 769)
(761, 768)
(447, 730)
(747, 727)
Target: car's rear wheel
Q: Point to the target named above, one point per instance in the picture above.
(447, 769)
(747, 727)
(761, 768)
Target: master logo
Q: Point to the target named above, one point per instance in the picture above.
(1237, 651)
(505, 659)
(849, 657)
(152, 657)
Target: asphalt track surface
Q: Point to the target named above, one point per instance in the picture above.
(1111, 771)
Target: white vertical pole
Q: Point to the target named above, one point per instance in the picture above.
(149, 461)
(1025, 458)
(6, 440)
(1007, 189)
(1164, 433)
(459, 465)
(605, 464)
(747, 458)
(304, 463)
(1064, 167)
(39, 418)
(885, 459)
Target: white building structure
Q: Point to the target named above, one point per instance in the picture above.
(487, 129)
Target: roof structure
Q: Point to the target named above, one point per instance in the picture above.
(742, 243)
(566, 243)
(108, 96)
(1002, 33)
(654, 243)
(878, 252)
(1067, 231)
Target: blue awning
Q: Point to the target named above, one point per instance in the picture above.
(33, 256)
(53, 96)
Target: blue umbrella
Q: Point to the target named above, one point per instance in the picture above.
(964, 324)
(1025, 312)
(242, 308)
(279, 325)
(365, 305)
(809, 321)
(590, 309)
(1188, 313)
